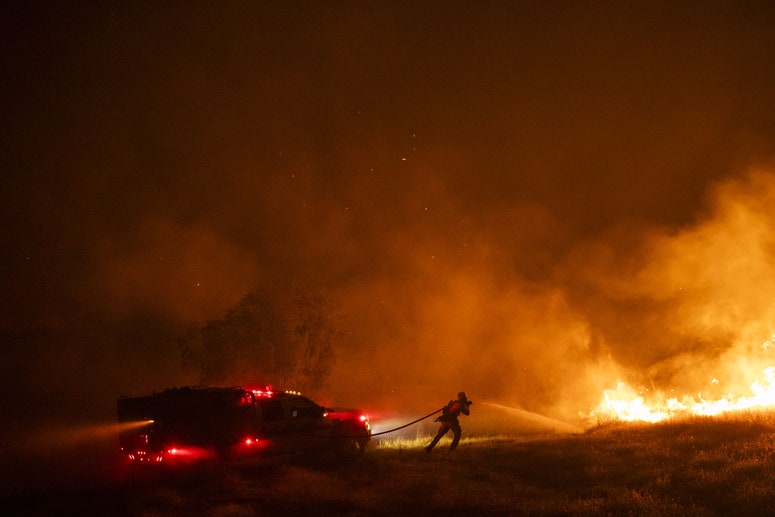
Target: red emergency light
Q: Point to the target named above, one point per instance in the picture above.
(265, 392)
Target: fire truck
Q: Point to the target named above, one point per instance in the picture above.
(181, 425)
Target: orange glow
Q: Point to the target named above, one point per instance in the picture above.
(697, 336)
(624, 403)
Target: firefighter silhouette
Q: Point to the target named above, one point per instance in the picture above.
(449, 421)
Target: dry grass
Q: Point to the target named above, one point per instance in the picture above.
(698, 466)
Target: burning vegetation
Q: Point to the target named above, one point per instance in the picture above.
(548, 205)
(706, 338)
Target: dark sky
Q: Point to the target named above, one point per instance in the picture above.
(526, 200)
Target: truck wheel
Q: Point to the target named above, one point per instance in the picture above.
(352, 448)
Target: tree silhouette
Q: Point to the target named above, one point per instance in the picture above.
(274, 335)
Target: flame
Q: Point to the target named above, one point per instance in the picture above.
(625, 403)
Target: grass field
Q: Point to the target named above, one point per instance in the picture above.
(697, 466)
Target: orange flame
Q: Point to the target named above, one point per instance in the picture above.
(624, 403)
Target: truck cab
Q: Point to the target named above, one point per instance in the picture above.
(188, 424)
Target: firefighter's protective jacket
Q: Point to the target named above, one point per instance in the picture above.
(452, 410)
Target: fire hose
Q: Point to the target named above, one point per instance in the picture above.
(410, 423)
(395, 428)
(405, 425)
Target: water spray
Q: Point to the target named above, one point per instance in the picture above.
(535, 417)
(557, 425)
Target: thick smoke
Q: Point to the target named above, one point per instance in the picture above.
(679, 310)
(689, 310)
(505, 200)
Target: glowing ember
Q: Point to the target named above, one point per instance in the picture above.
(624, 403)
